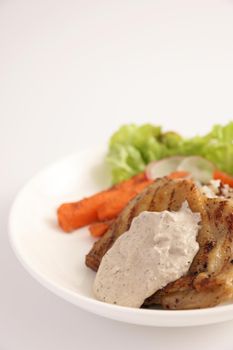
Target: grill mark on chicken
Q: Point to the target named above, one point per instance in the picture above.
(159, 195)
(219, 210)
(192, 187)
(208, 214)
(154, 198)
(171, 199)
(132, 213)
(229, 220)
(209, 246)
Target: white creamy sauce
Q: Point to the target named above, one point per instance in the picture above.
(158, 249)
(212, 189)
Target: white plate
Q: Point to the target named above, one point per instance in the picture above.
(56, 259)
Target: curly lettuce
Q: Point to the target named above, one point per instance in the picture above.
(217, 146)
(132, 147)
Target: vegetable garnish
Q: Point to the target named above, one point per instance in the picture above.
(179, 175)
(163, 167)
(200, 169)
(140, 154)
(98, 229)
(132, 147)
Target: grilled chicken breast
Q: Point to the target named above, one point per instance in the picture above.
(210, 277)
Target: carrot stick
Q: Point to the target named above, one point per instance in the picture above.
(224, 177)
(141, 185)
(84, 212)
(178, 175)
(113, 206)
(98, 229)
(135, 180)
(78, 214)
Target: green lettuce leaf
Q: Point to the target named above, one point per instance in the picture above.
(218, 147)
(132, 147)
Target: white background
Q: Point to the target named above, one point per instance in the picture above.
(70, 73)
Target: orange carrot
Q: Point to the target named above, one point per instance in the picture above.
(112, 207)
(135, 180)
(78, 214)
(98, 229)
(178, 175)
(224, 177)
(141, 185)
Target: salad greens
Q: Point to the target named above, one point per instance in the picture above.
(132, 147)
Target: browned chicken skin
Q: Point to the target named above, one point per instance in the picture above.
(210, 277)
